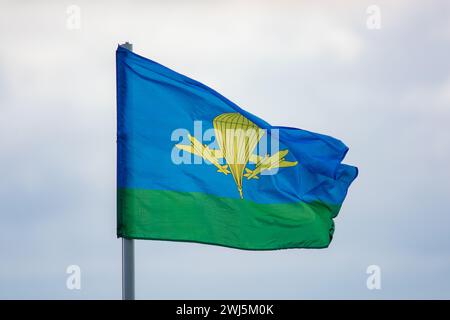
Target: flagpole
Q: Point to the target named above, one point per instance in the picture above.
(127, 250)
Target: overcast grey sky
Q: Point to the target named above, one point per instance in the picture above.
(384, 92)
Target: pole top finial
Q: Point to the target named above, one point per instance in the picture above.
(127, 45)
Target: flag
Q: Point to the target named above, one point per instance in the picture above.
(193, 166)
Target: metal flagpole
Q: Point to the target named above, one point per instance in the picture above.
(127, 250)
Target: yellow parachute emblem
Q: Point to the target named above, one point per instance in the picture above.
(237, 138)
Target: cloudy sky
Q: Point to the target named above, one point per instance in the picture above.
(384, 92)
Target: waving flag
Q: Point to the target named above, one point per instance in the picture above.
(193, 166)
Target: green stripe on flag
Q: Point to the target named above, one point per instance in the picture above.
(236, 223)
